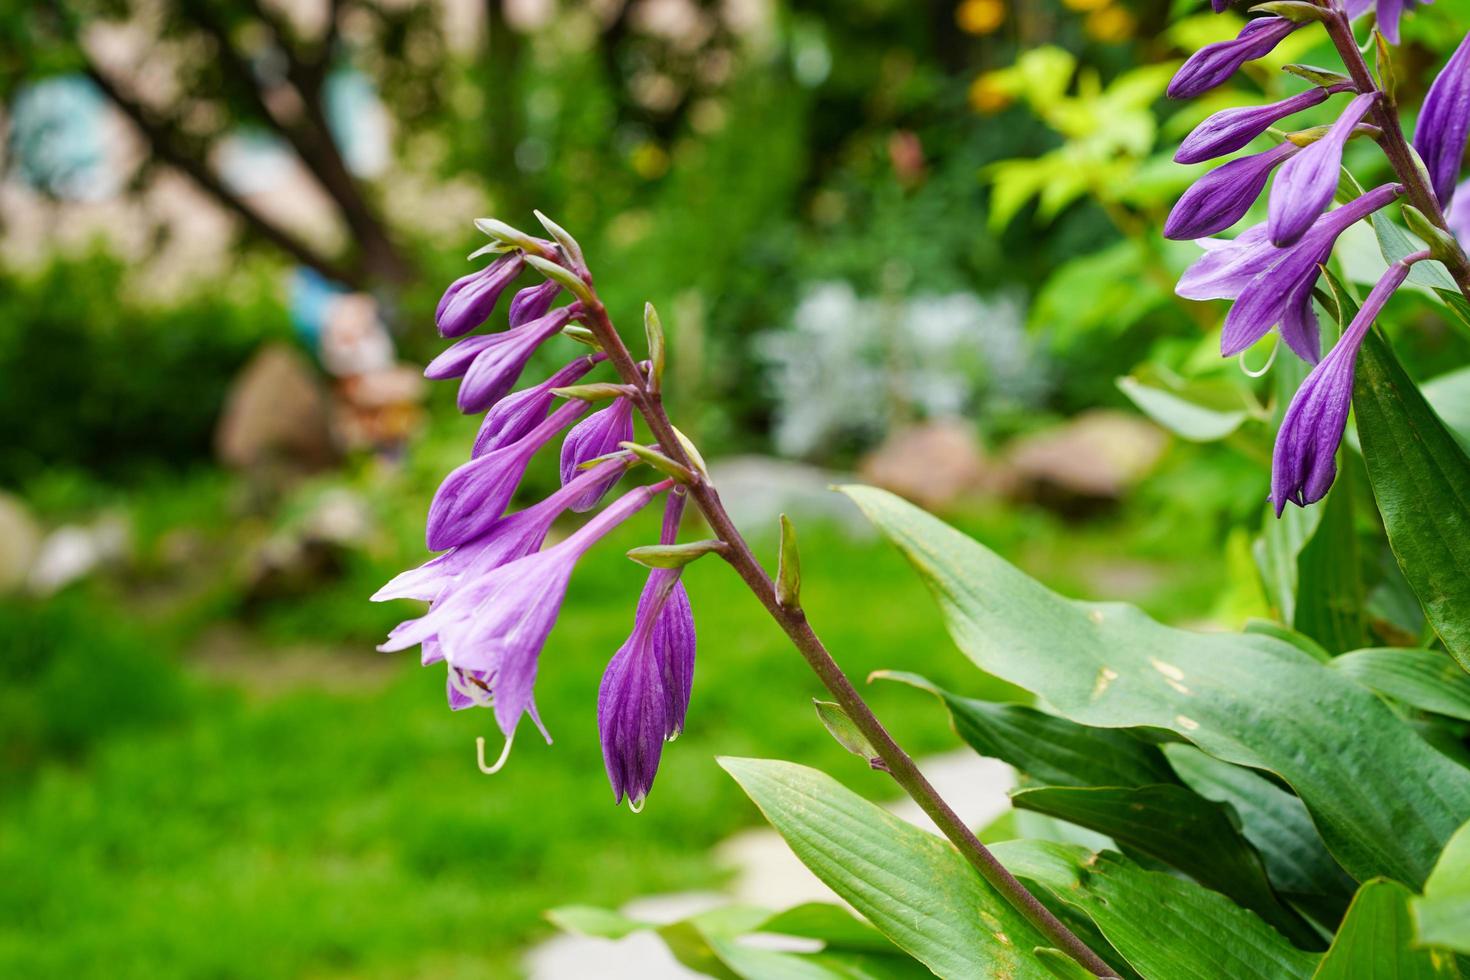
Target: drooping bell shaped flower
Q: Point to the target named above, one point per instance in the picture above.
(474, 495)
(469, 300)
(1230, 129)
(1214, 64)
(514, 415)
(494, 370)
(644, 694)
(1222, 197)
(1272, 285)
(1390, 12)
(533, 302)
(1306, 183)
(597, 435)
(1304, 462)
(513, 536)
(1444, 121)
(497, 626)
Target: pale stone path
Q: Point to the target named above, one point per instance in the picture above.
(766, 874)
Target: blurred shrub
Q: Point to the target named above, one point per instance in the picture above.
(92, 379)
(71, 678)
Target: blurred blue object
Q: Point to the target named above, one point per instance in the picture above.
(57, 139)
(312, 295)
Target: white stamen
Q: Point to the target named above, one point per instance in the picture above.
(636, 806)
(480, 755)
(1275, 349)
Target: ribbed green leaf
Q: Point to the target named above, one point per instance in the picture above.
(1330, 599)
(1375, 941)
(1049, 749)
(1442, 916)
(1248, 699)
(1423, 679)
(1278, 824)
(1179, 828)
(911, 884)
(1421, 479)
(1165, 927)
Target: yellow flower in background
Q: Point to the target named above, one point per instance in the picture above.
(650, 161)
(1109, 25)
(980, 16)
(1083, 6)
(989, 94)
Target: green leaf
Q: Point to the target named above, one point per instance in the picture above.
(1376, 941)
(1423, 679)
(1443, 914)
(1188, 417)
(1455, 300)
(1278, 824)
(1421, 479)
(842, 728)
(1395, 244)
(1165, 927)
(788, 567)
(1247, 699)
(911, 884)
(1047, 748)
(1171, 824)
(588, 920)
(1449, 396)
(1330, 596)
(1061, 965)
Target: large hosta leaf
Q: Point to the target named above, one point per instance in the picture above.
(1385, 801)
(1376, 941)
(1167, 928)
(1330, 600)
(1423, 679)
(1443, 914)
(1177, 827)
(1047, 748)
(1421, 479)
(912, 885)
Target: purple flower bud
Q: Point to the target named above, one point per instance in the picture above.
(474, 496)
(1219, 6)
(469, 300)
(1304, 463)
(1222, 197)
(1444, 121)
(1307, 182)
(597, 435)
(1230, 129)
(644, 694)
(533, 302)
(1273, 285)
(1213, 64)
(514, 415)
(495, 369)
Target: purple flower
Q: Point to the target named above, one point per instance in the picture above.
(494, 370)
(1222, 197)
(1230, 129)
(1389, 13)
(473, 496)
(1307, 182)
(514, 415)
(1444, 121)
(644, 694)
(1304, 462)
(495, 627)
(533, 302)
(1273, 285)
(597, 435)
(1213, 64)
(469, 300)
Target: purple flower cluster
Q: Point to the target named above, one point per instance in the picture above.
(494, 593)
(1271, 269)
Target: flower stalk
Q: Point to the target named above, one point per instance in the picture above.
(648, 401)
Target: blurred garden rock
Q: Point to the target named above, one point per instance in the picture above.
(756, 490)
(74, 551)
(1095, 456)
(20, 542)
(275, 413)
(312, 550)
(934, 464)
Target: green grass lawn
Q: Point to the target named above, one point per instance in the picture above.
(180, 814)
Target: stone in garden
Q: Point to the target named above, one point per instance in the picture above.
(275, 413)
(75, 551)
(20, 542)
(934, 464)
(1097, 455)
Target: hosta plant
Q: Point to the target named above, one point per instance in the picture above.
(1288, 801)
